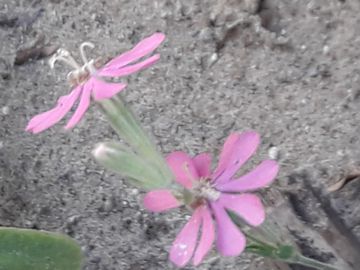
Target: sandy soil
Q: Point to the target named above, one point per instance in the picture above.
(288, 69)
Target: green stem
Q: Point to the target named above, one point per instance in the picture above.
(126, 124)
(259, 241)
(305, 261)
(265, 246)
(147, 148)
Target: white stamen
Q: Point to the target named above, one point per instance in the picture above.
(82, 52)
(80, 73)
(90, 66)
(64, 56)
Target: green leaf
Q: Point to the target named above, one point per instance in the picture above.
(118, 158)
(22, 249)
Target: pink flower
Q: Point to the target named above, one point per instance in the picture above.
(213, 194)
(90, 81)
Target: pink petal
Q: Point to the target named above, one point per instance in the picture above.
(184, 244)
(40, 118)
(104, 90)
(183, 168)
(125, 71)
(82, 107)
(230, 240)
(36, 120)
(207, 235)
(143, 48)
(260, 177)
(247, 206)
(227, 149)
(202, 164)
(238, 148)
(160, 200)
(45, 120)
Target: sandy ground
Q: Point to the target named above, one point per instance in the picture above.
(288, 69)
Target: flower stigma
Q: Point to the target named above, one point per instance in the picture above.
(203, 189)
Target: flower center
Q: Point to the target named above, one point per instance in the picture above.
(81, 73)
(202, 189)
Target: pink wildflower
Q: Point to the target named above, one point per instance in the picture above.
(90, 81)
(214, 193)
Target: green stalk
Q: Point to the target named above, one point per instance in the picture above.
(129, 129)
(305, 261)
(276, 251)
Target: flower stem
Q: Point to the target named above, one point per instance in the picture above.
(305, 261)
(264, 246)
(127, 126)
(148, 147)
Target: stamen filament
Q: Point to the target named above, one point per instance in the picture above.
(82, 51)
(90, 66)
(81, 72)
(64, 56)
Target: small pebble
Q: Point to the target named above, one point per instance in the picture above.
(281, 40)
(125, 203)
(326, 49)
(274, 152)
(72, 219)
(213, 58)
(5, 110)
